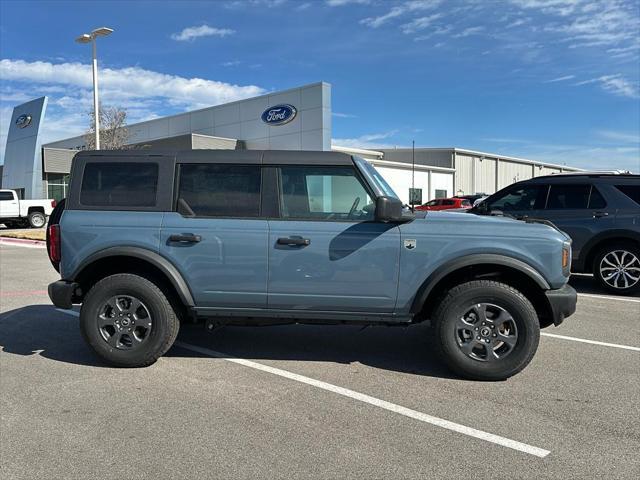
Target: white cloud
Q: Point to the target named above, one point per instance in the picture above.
(343, 115)
(400, 10)
(560, 79)
(341, 3)
(469, 31)
(231, 63)
(420, 23)
(191, 33)
(622, 137)
(371, 140)
(127, 83)
(616, 84)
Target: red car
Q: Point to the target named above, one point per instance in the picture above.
(445, 204)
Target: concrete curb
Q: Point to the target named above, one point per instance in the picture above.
(23, 241)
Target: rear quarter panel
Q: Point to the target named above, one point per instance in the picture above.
(85, 232)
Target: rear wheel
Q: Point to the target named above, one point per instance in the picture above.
(486, 330)
(37, 219)
(617, 268)
(128, 321)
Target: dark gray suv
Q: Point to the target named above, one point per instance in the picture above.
(599, 211)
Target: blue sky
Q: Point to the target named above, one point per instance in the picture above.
(554, 80)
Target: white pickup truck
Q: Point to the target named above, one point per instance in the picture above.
(15, 212)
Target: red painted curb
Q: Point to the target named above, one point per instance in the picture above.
(23, 241)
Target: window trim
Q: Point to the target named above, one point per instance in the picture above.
(176, 191)
(358, 176)
(119, 207)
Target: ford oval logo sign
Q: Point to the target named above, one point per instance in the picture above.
(279, 115)
(23, 121)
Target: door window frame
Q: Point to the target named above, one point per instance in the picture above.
(277, 169)
(261, 198)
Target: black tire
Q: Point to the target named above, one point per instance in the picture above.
(160, 336)
(37, 219)
(631, 268)
(523, 323)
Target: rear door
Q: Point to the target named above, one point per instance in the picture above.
(326, 252)
(9, 206)
(579, 210)
(216, 236)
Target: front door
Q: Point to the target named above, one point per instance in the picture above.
(326, 252)
(216, 237)
(580, 211)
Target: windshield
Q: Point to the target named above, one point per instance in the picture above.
(379, 180)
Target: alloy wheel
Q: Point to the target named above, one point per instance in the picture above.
(124, 322)
(486, 332)
(620, 269)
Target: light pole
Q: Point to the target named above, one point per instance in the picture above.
(86, 38)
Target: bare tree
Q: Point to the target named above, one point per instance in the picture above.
(113, 130)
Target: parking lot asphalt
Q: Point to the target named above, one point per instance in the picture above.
(310, 401)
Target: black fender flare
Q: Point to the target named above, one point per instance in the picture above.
(469, 260)
(165, 266)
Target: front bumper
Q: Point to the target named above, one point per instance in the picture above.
(563, 303)
(61, 293)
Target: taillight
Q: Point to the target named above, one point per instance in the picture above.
(54, 243)
(53, 203)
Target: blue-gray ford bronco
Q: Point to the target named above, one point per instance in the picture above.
(146, 240)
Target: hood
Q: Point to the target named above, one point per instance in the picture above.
(462, 223)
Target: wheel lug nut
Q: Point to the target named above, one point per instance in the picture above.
(477, 338)
(476, 329)
(495, 335)
(487, 340)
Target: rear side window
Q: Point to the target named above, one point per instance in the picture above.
(631, 191)
(217, 190)
(466, 203)
(6, 196)
(568, 197)
(119, 184)
(448, 202)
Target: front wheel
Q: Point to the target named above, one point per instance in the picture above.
(617, 268)
(128, 321)
(486, 330)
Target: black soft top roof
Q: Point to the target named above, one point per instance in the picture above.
(280, 157)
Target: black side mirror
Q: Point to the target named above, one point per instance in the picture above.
(389, 209)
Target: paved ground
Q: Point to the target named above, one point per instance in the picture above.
(282, 415)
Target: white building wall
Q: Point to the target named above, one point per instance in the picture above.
(510, 172)
(484, 175)
(464, 165)
(309, 130)
(441, 181)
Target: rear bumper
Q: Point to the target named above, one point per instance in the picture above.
(563, 303)
(61, 293)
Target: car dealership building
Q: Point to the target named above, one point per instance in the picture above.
(294, 119)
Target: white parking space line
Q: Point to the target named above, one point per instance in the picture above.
(593, 342)
(392, 407)
(609, 297)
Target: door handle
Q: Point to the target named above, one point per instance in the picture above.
(600, 214)
(185, 238)
(294, 241)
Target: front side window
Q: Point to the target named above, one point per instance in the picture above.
(432, 203)
(6, 196)
(119, 184)
(522, 198)
(572, 197)
(324, 193)
(217, 190)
